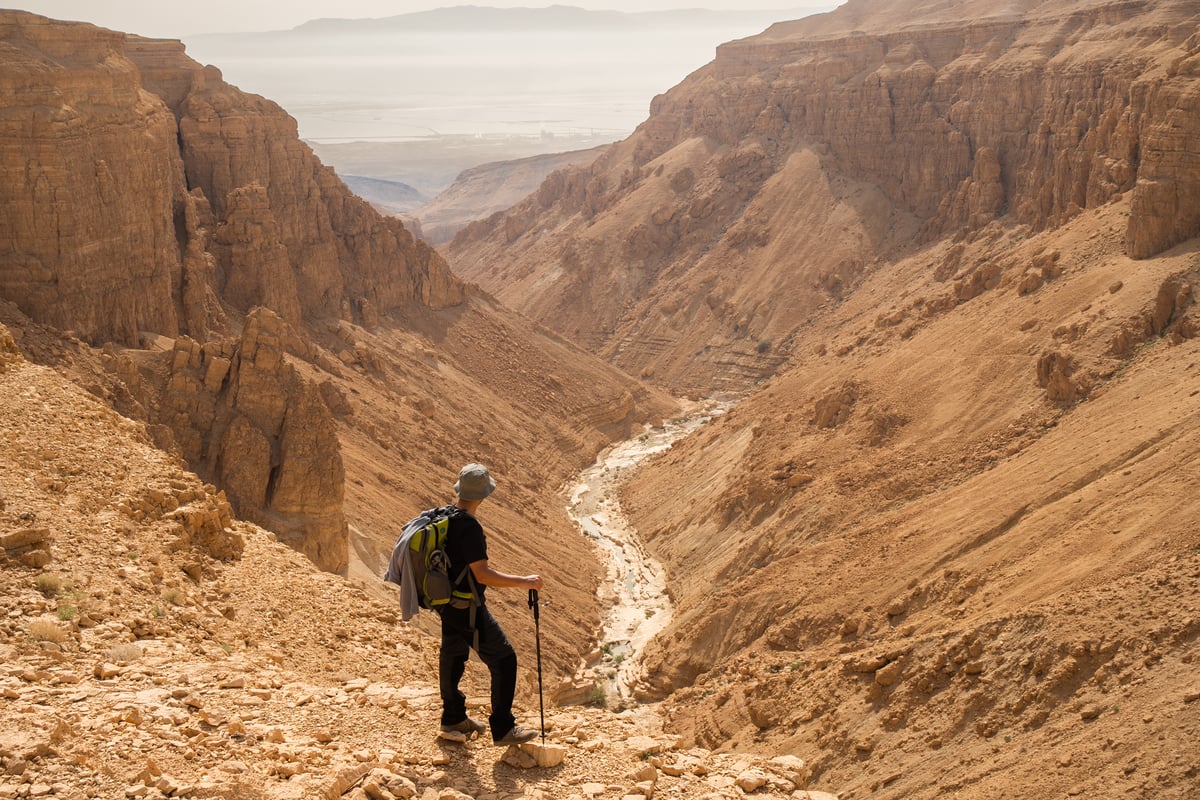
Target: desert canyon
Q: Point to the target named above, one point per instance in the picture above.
(938, 260)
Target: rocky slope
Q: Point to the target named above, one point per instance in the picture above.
(154, 647)
(953, 547)
(484, 190)
(177, 250)
(774, 178)
(946, 548)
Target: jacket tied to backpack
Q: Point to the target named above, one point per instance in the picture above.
(421, 568)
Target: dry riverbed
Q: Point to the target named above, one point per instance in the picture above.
(635, 590)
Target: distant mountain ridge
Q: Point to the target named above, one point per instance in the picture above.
(486, 18)
(488, 189)
(392, 197)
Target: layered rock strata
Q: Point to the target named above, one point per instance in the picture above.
(145, 199)
(140, 189)
(772, 179)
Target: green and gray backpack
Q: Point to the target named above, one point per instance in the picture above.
(423, 542)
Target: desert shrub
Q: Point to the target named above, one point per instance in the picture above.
(598, 697)
(173, 596)
(123, 653)
(48, 584)
(67, 612)
(47, 630)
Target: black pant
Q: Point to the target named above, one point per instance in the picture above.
(493, 650)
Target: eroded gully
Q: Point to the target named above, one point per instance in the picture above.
(635, 589)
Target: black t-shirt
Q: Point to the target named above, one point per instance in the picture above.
(465, 544)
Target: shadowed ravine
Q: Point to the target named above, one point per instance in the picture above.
(635, 588)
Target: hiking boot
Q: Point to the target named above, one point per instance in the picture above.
(468, 726)
(516, 736)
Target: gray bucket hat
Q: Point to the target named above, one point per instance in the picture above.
(474, 482)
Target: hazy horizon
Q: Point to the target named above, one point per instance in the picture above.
(475, 86)
(176, 21)
(370, 81)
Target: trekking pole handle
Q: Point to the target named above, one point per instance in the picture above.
(533, 602)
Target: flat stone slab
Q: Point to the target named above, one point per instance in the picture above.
(535, 754)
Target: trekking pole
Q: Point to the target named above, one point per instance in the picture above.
(537, 626)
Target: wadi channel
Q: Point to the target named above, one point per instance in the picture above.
(634, 594)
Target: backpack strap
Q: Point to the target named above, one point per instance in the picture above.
(454, 511)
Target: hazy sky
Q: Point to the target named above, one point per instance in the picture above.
(174, 19)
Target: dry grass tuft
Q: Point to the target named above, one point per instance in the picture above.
(48, 584)
(47, 630)
(123, 653)
(174, 597)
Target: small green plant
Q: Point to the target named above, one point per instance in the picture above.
(132, 555)
(598, 697)
(158, 610)
(796, 665)
(617, 659)
(48, 584)
(227, 648)
(763, 346)
(67, 612)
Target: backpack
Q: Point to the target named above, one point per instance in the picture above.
(422, 542)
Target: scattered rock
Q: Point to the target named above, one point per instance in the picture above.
(889, 674)
(751, 780)
(104, 671)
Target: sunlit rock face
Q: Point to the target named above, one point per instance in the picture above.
(146, 200)
(772, 179)
(139, 187)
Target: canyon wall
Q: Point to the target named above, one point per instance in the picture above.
(772, 179)
(950, 539)
(143, 197)
(246, 302)
(76, 199)
(141, 191)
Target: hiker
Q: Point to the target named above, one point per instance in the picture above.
(466, 544)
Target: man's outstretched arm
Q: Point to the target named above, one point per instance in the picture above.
(484, 574)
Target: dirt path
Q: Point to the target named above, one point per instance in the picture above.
(635, 588)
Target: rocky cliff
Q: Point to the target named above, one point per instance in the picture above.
(238, 411)
(172, 245)
(947, 550)
(483, 190)
(155, 236)
(772, 179)
(144, 197)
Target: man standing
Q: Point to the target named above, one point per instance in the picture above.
(466, 544)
